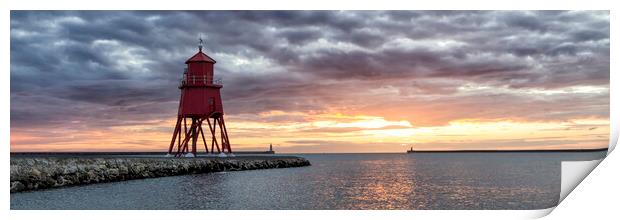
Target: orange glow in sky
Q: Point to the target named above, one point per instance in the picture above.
(333, 133)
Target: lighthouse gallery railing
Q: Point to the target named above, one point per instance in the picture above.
(199, 80)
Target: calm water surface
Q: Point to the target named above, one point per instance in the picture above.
(338, 181)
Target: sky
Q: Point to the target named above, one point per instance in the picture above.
(315, 81)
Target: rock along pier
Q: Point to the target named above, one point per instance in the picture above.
(34, 172)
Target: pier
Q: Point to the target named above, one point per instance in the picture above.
(43, 171)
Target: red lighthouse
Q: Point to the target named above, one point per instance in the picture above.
(200, 102)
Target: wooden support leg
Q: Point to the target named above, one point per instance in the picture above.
(183, 136)
(185, 142)
(226, 134)
(219, 123)
(184, 146)
(204, 141)
(179, 137)
(177, 127)
(213, 138)
(211, 131)
(194, 135)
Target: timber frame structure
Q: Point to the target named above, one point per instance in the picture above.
(179, 146)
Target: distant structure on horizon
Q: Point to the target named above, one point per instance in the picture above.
(200, 101)
(270, 151)
(410, 150)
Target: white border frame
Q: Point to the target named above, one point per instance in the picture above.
(8, 5)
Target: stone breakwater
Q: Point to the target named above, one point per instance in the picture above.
(49, 172)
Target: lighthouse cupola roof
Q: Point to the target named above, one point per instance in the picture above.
(200, 56)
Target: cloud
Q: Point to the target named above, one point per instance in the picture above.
(108, 68)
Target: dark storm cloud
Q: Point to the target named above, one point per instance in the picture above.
(120, 65)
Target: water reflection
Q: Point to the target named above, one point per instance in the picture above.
(338, 181)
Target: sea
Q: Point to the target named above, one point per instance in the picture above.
(483, 180)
